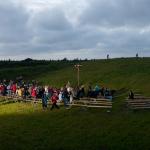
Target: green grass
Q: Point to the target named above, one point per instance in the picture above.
(129, 73)
(25, 126)
(118, 73)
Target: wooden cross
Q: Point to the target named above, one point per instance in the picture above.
(77, 66)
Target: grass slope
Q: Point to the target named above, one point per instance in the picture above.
(114, 73)
(117, 73)
(23, 126)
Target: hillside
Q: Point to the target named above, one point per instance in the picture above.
(114, 73)
(26, 126)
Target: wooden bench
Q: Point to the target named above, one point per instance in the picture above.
(139, 102)
(92, 102)
(83, 102)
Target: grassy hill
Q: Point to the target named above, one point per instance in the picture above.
(130, 73)
(23, 126)
(26, 126)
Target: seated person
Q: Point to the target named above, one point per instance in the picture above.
(107, 94)
(131, 95)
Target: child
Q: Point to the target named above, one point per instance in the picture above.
(54, 99)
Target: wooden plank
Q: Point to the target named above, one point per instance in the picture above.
(99, 106)
(141, 97)
(94, 103)
(77, 105)
(141, 108)
(94, 99)
(99, 99)
(84, 101)
(132, 102)
(139, 105)
(137, 94)
(85, 98)
(94, 106)
(138, 101)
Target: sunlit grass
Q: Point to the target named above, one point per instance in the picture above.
(27, 126)
(24, 127)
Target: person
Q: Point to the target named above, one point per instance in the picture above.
(19, 92)
(89, 94)
(14, 88)
(60, 95)
(44, 99)
(70, 93)
(131, 95)
(107, 94)
(65, 97)
(9, 90)
(82, 91)
(96, 90)
(1, 89)
(102, 91)
(54, 99)
(107, 56)
(34, 93)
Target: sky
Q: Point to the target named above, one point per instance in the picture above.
(57, 29)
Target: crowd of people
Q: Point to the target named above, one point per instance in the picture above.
(65, 94)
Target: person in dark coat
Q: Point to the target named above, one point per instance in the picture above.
(131, 95)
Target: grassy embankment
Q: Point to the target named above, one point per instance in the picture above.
(24, 126)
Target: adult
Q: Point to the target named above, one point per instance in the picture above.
(44, 99)
(65, 97)
(131, 95)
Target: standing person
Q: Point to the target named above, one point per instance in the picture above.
(54, 99)
(9, 90)
(107, 56)
(97, 90)
(65, 96)
(89, 94)
(70, 95)
(1, 89)
(14, 88)
(26, 93)
(44, 98)
(34, 93)
(60, 95)
(82, 91)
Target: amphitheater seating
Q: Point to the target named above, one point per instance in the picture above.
(93, 103)
(139, 102)
(83, 102)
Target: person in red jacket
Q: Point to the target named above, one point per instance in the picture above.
(14, 88)
(54, 99)
(34, 92)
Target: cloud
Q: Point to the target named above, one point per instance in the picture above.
(13, 24)
(117, 13)
(84, 29)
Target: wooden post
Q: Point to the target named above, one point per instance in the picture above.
(78, 73)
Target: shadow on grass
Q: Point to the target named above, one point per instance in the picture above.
(74, 129)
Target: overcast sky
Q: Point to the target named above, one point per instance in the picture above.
(54, 29)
